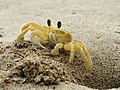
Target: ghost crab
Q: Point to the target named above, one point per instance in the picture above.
(61, 39)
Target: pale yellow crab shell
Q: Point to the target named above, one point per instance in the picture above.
(60, 36)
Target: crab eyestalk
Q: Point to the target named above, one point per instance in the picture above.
(49, 24)
(59, 25)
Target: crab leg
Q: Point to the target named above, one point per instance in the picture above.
(55, 51)
(83, 45)
(86, 57)
(40, 35)
(22, 35)
(71, 52)
(25, 29)
(32, 26)
(37, 37)
(70, 47)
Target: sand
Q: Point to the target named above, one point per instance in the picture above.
(96, 23)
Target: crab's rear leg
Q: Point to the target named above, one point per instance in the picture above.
(83, 45)
(85, 52)
(78, 46)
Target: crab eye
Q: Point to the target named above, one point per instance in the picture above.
(49, 22)
(59, 24)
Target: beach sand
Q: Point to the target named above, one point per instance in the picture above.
(94, 22)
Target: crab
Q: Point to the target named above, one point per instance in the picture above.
(61, 38)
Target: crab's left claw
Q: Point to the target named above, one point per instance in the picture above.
(78, 46)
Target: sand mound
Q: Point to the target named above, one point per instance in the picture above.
(28, 63)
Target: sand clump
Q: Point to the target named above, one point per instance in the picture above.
(40, 72)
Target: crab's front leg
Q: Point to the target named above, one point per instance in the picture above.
(58, 46)
(70, 47)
